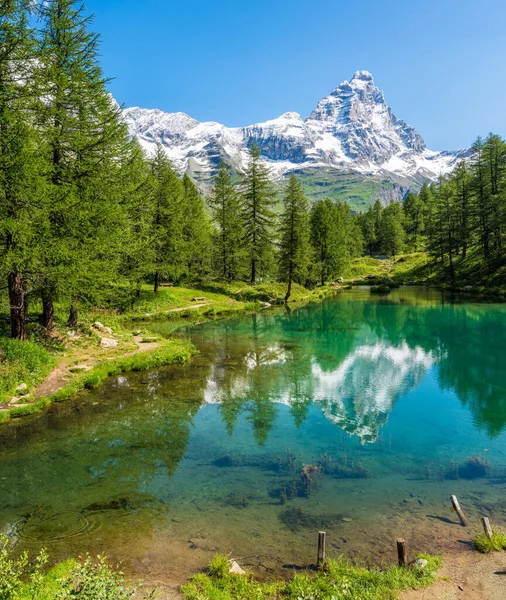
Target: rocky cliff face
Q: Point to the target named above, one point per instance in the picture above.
(351, 130)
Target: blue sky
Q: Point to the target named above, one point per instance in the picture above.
(441, 63)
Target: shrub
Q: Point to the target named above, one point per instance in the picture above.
(484, 544)
(380, 289)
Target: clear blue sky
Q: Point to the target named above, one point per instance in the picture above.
(441, 63)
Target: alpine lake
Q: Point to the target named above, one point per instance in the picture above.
(359, 415)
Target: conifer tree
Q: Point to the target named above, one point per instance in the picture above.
(392, 232)
(166, 220)
(367, 222)
(20, 188)
(196, 231)
(257, 214)
(414, 209)
(328, 239)
(294, 236)
(137, 198)
(228, 236)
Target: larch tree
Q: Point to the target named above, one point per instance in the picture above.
(294, 246)
(20, 188)
(327, 239)
(196, 232)
(166, 220)
(226, 207)
(83, 141)
(258, 198)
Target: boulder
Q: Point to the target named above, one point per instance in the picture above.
(98, 325)
(108, 330)
(108, 343)
(22, 389)
(236, 569)
(420, 563)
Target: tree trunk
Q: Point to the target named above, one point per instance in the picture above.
(157, 282)
(18, 305)
(253, 271)
(74, 312)
(289, 290)
(46, 319)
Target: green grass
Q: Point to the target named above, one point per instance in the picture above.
(22, 362)
(358, 190)
(483, 544)
(170, 352)
(339, 580)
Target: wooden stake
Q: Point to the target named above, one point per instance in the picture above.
(486, 526)
(401, 552)
(458, 510)
(321, 549)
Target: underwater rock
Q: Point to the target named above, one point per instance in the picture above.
(475, 467)
(114, 504)
(295, 518)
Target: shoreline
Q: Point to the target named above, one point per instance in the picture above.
(150, 351)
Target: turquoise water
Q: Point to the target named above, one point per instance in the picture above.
(358, 415)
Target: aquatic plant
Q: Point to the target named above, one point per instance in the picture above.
(295, 518)
(475, 467)
(484, 544)
(309, 478)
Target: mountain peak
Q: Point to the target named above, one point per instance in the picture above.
(363, 76)
(351, 129)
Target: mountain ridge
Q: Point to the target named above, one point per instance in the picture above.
(351, 131)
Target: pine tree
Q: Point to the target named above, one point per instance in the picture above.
(196, 232)
(294, 245)
(166, 220)
(257, 214)
(20, 187)
(226, 207)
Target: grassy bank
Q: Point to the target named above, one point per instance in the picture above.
(471, 274)
(22, 362)
(168, 352)
(83, 361)
(340, 579)
(95, 579)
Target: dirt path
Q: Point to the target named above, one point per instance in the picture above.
(467, 576)
(62, 374)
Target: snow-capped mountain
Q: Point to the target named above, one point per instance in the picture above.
(350, 130)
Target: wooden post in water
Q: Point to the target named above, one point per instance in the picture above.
(401, 552)
(486, 527)
(321, 549)
(458, 510)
